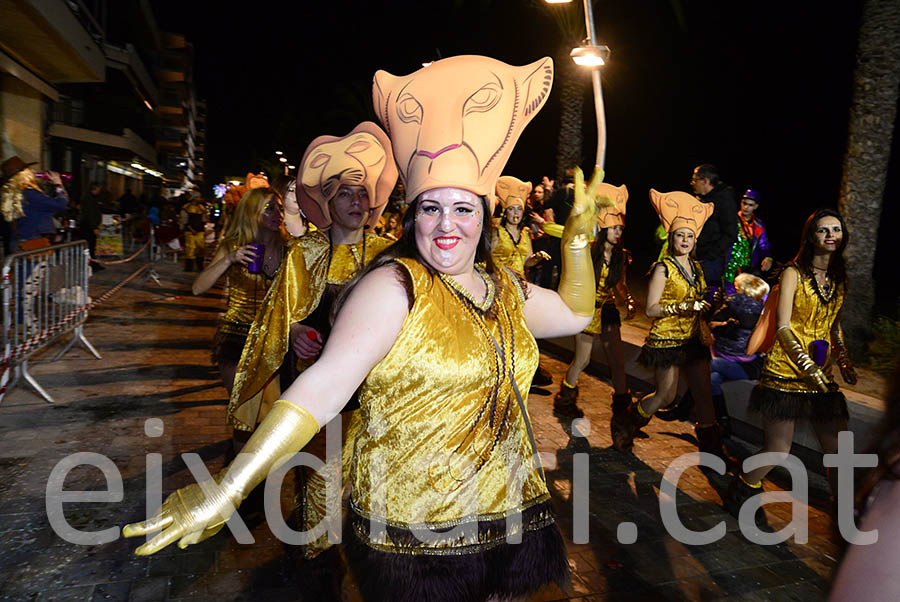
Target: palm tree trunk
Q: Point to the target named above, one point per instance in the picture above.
(572, 86)
(873, 110)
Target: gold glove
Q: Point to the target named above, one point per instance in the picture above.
(812, 373)
(630, 306)
(576, 283)
(841, 354)
(684, 307)
(199, 511)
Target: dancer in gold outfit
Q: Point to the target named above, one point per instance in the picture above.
(447, 502)
(610, 261)
(796, 380)
(678, 338)
(342, 187)
(258, 219)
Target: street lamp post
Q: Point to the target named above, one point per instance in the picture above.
(598, 91)
(592, 56)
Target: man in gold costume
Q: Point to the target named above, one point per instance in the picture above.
(343, 186)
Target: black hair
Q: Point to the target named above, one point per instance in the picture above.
(837, 270)
(616, 259)
(710, 172)
(406, 247)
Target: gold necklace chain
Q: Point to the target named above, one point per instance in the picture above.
(488, 300)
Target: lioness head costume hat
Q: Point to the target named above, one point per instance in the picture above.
(361, 158)
(454, 123)
(512, 191)
(680, 210)
(254, 180)
(607, 217)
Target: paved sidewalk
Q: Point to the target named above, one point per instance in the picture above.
(156, 364)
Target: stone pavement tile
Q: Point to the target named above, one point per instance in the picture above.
(188, 586)
(697, 588)
(150, 589)
(185, 563)
(69, 594)
(794, 571)
(674, 569)
(112, 592)
(823, 566)
(746, 580)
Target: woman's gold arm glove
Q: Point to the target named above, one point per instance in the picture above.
(576, 283)
(812, 373)
(842, 355)
(199, 511)
(684, 307)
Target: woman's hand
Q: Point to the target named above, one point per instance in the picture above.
(305, 341)
(243, 255)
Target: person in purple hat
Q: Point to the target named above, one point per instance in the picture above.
(751, 251)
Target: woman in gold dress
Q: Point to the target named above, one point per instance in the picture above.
(447, 502)
(610, 261)
(258, 219)
(797, 381)
(676, 343)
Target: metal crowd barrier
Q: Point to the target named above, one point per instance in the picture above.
(45, 296)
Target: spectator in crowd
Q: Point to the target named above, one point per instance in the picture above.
(720, 231)
(25, 202)
(750, 252)
(128, 203)
(89, 222)
(731, 326)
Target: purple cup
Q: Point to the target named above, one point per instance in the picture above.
(819, 350)
(255, 265)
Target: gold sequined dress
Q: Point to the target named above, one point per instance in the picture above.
(676, 340)
(442, 465)
(246, 292)
(605, 310)
(512, 253)
(782, 393)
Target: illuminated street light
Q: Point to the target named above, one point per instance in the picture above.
(590, 56)
(292, 167)
(279, 153)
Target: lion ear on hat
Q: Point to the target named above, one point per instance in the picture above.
(361, 158)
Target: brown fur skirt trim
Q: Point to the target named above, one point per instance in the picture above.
(227, 347)
(504, 571)
(663, 357)
(783, 405)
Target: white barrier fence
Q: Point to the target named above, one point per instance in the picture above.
(45, 296)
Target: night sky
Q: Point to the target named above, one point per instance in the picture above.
(761, 89)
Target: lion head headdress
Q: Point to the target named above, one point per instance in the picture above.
(680, 210)
(361, 158)
(512, 191)
(607, 217)
(454, 123)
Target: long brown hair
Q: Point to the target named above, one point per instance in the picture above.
(837, 270)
